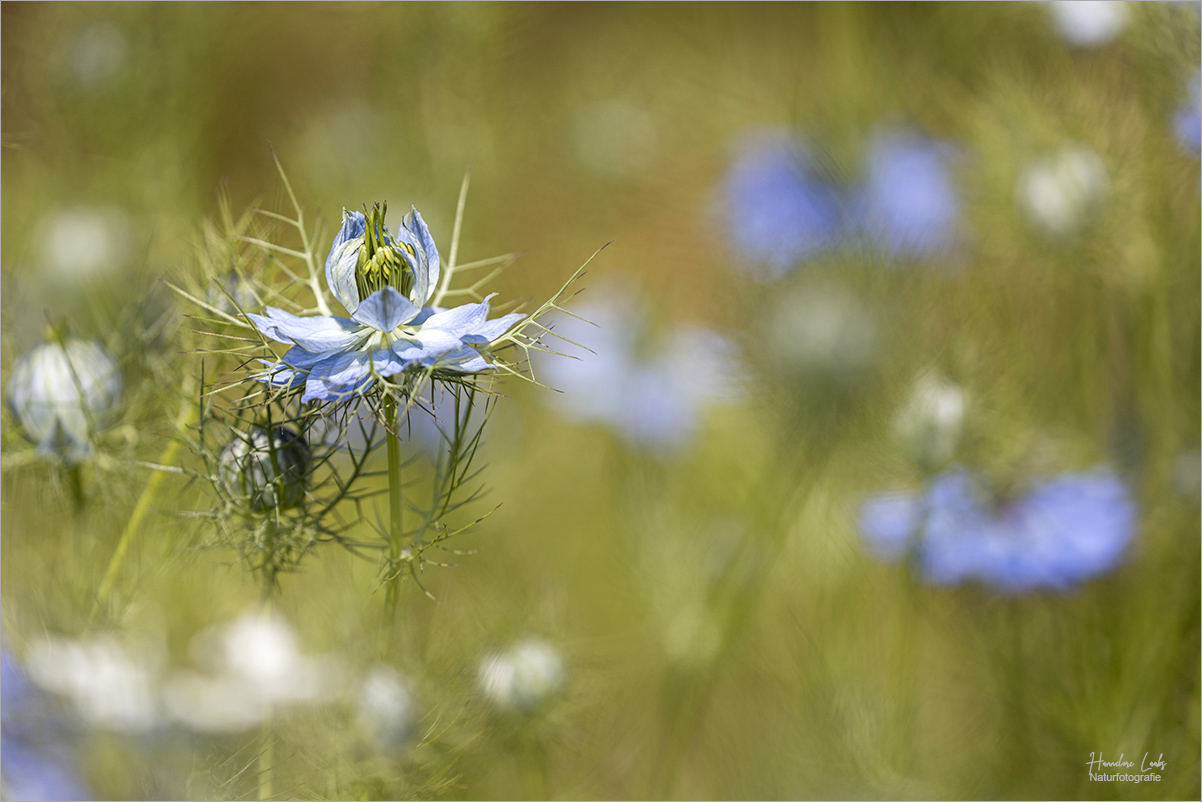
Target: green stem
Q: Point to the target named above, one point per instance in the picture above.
(75, 479)
(733, 599)
(266, 742)
(170, 453)
(267, 572)
(535, 763)
(396, 532)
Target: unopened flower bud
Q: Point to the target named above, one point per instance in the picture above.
(930, 423)
(386, 710)
(524, 677)
(264, 473)
(1061, 191)
(60, 391)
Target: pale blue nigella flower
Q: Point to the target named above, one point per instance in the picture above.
(384, 282)
(778, 213)
(1061, 532)
(908, 205)
(653, 402)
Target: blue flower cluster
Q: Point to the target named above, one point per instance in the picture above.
(385, 282)
(653, 402)
(37, 762)
(1061, 532)
(781, 212)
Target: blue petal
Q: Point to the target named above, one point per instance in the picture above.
(491, 330)
(299, 358)
(426, 347)
(460, 320)
(314, 333)
(344, 257)
(427, 274)
(385, 310)
(465, 360)
(338, 377)
(888, 523)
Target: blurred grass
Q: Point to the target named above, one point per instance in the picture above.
(1086, 350)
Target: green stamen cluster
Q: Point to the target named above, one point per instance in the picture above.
(380, 262)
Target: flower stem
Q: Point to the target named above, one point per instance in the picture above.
(395, 529)
(186, 418)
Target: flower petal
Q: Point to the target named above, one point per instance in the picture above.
(314, 333)
(299, 358)
(344, 257)
(426, 347)
(385, 310)
(428, 271)
(460, 320)
(463, 360)
(492, 329)
(338, 377)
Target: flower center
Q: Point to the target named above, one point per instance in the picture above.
(380, 262)
(378, 340)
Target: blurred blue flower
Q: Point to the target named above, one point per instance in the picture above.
(653, 402)
(777, 212)
(908, 205)
(384, 282)
(1188, 121)
(1062, 532)
(37, 762)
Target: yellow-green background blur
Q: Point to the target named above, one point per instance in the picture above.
(826, 673)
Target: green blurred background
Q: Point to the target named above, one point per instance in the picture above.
(725, 633)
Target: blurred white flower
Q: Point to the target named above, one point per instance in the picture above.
(825, 330)
(97, 54)
(1187, 474)
(110, 687)
(1058, 192)
(60, 392)
(524, 677)
(932, 419)
(387, 710)
(253, 665)
(616, 137)
(83, 242)
(1088, 23)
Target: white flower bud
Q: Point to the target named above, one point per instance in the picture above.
(931, 421)
(522, 678)
(60, 391)
(386, 708)
(1059, 192)
(262, 473)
